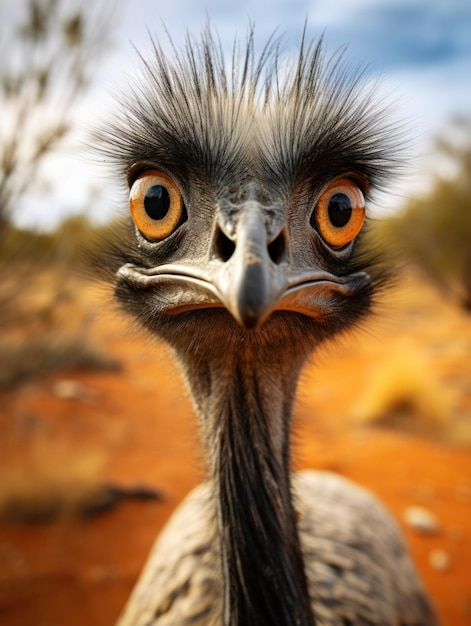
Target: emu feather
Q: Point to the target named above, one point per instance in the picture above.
(248, 190)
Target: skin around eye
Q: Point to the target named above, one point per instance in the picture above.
(156, 204)
(340, 213)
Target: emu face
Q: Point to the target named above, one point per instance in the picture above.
(247, 192)
(253, 253)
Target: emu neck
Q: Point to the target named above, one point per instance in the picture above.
(244, 404)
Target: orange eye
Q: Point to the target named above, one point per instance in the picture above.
(340, 213)
(156, 204)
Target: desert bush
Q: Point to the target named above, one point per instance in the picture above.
(50, 50)
(53, 479)
(21, 360)
(69, 245)
(56, 479)
(434, 231)
(45, 322)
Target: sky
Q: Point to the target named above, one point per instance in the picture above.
(421, 49)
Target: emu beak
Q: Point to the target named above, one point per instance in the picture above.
(250, 282)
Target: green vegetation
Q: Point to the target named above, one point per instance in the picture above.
(434, 231)
(49, 54)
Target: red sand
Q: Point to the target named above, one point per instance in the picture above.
(139, 425)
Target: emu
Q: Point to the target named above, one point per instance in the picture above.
(244, 252)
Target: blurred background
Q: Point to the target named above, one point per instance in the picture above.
(97, 441)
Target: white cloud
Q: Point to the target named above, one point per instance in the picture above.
(429, 94)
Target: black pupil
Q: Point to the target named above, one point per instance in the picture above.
(157, 202)
(340, 210)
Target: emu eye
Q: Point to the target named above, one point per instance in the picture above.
(340, 213)
(156, 204)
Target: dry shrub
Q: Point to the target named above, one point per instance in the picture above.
(53, 479)
(434, 231)
(46, 319)
(21, 360)
(404, 394)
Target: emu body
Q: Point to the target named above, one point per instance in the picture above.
(247, 197)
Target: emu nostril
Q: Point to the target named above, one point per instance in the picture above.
(224, 246)
(277, 248)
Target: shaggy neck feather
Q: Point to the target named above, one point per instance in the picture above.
(245, 425)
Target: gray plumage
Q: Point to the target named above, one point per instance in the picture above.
(247, 196)
(356, 562)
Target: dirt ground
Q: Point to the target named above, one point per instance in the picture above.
(390, 409)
